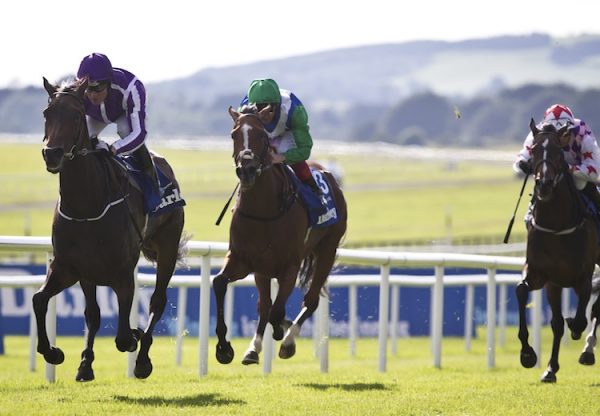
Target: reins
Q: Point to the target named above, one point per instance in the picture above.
(575, 197)
(83, 152)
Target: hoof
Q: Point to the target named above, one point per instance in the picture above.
(142, 370)
(251, 357)
(575, 332)
(54, 356)
(548, 377)
(224, 353)
(287, 351)
(587, 358)
(528, 358)
(278, 333)
(84, 374)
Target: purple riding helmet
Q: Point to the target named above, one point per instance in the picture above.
(96, 67)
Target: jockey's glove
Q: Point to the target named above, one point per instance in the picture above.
(525, 166)
(102, 145)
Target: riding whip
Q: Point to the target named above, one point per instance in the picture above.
(226, 205)
(512, 220)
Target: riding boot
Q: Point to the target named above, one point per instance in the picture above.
(591, 191)
(143, 155)
(310, 181)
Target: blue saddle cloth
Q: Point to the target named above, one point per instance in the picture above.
(155, 203)
(321, 210)
(591, 207)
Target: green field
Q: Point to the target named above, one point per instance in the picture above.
(390, 199)
(353, 386)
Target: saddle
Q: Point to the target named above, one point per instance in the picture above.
(321, 210)
(156, 201)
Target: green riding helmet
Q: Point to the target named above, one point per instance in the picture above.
(263, 91)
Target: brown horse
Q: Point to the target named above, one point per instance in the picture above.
(98, 230)
(270, 237)
(562, 245)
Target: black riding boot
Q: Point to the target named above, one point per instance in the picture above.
(313, 185)
(591, 191)
(143, 155)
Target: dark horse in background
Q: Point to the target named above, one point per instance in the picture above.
(562, 246)
(270, 237)
(98, 230)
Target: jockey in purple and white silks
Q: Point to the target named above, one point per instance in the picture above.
(582, 152)
(115, 95)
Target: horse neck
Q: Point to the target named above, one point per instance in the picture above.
(83, 185)
(264, 198)
(563, 210)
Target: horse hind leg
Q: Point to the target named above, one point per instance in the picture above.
(528, 355)
(322, 266)
(587, 355)
(92, 321)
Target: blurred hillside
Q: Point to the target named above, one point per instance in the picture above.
(469, 93)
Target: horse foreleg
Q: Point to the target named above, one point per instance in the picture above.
(92, 321)
(528, 356)
(263, 285)
(54, 285)
(277, 313)
(225, 351)
(126, 339)
(578, 324)
(553, 294)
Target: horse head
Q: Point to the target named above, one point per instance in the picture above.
(547, 158)
(65, 128)
(250, 145)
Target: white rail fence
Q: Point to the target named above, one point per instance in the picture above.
(388, 284)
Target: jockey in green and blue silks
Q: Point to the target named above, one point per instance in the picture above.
(288, 127)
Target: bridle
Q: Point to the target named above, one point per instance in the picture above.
(560, 168)
(247, 154)
(79, 148)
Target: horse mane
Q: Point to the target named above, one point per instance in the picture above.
(248, 109)
(548, 128)
(70, 85)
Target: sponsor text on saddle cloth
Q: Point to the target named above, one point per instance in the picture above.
(154, 203)
(321, 210)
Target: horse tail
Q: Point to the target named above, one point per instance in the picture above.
(306, 271)
(180, 262)
(596, 283)
(182, 251)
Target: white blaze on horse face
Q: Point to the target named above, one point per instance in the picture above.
(246, 152)
(245, 130)
(545, 165)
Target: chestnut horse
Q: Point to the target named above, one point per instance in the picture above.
(98, 230)
(562, 245)
(270, 237)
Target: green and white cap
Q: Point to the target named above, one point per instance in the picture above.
(264, 91)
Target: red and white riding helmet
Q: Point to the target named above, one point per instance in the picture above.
(559, 115)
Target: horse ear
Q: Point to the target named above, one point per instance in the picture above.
(51, 89)
(234, 114)
(533, 127)
(564, 136)
(264, 114)
(82, 87)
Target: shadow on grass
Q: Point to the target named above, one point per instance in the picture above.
(345, 387)
(198, 400)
